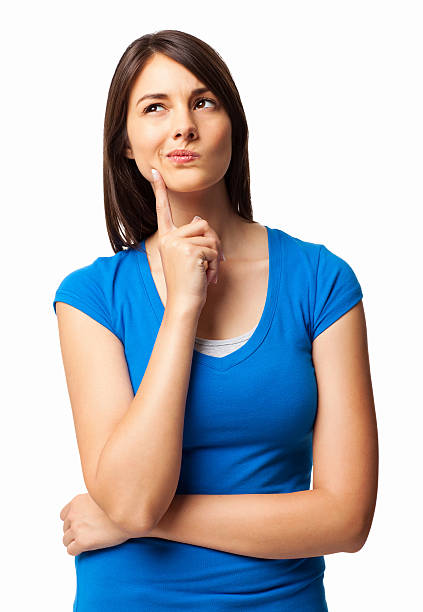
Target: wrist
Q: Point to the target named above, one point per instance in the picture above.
(178, 309)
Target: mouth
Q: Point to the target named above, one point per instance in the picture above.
(182, 156)
(182, 159)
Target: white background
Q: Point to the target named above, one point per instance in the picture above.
(333, 97)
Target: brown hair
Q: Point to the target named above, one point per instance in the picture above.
(129, 201)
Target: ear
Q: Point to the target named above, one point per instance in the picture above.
(128, 153)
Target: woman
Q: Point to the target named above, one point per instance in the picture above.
(210, 363)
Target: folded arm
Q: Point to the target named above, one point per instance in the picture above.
(271, 526)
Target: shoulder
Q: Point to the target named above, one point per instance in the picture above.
(321, 279)
(314, 256)
(94, 288)
(94, 276)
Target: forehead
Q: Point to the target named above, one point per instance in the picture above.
(165, 75)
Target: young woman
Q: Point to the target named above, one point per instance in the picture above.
(210, 363)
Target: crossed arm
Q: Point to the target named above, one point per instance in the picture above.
(271, 526)
(336, 515)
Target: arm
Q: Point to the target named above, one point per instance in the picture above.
(131, 449)
(121, 437)
(270, 526)
(140, 463)
(133, 466)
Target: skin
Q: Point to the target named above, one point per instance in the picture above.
(337, 513)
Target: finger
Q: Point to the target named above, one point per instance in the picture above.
(164, 214)
(74, 548)
(64, 511)
(66, 524)
(206, 241)
(197, 226)
(209, 255)
(213, 265)
(68, 537)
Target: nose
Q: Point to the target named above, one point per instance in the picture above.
(186, 128)
(188, 133)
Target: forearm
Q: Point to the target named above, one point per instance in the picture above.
(139, 466)
(271, 526)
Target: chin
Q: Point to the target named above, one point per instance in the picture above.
(188, 184)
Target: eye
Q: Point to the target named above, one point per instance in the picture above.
(146, 110)
(149, 106)
(206, 100)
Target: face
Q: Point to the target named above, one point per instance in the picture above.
(181, 120)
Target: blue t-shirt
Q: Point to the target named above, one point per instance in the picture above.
(248, 429)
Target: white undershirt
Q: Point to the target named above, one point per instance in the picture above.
(220, 348)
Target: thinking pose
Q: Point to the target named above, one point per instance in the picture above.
(211, 363)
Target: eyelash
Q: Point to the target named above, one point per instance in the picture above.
(158, 104)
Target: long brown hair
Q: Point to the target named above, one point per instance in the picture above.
(129, 201)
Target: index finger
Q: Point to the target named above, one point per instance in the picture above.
(164, 214)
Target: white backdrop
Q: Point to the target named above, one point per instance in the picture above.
(333, 97)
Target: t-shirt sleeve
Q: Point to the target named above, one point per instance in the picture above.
(83, 289)
(337, 290)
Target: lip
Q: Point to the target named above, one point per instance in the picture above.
(183, 152)
(182, 159)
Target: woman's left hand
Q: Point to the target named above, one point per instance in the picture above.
(87, 527)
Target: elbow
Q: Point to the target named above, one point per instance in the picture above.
(353, 524)
(351, 529)
(353, 545)
(136, 525)
(357, 535)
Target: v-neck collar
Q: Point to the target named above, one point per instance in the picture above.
(232, 359)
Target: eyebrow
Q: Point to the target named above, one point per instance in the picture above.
(163, 96)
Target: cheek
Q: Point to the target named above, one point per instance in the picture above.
(147, 150)
(222, 145)
(147, 144)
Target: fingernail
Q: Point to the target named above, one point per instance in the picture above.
(223, 258)
(155, 174)
(196, 217)
(215, 280)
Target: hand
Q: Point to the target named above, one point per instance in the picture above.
(190, 254)
(87, 527)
